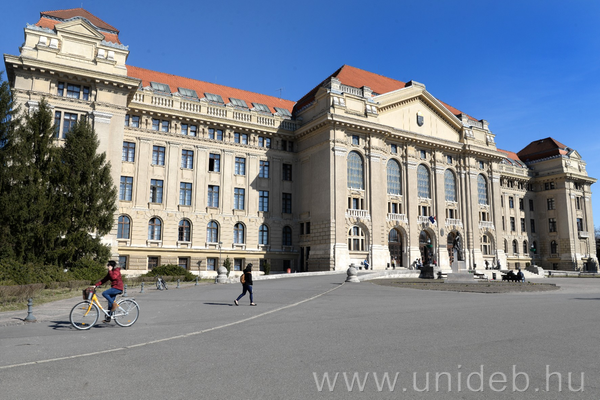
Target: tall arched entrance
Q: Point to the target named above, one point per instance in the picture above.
(426, 247)
(395, 247)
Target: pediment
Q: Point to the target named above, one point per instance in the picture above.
(414, 109)
(79, 27)
(574, 155)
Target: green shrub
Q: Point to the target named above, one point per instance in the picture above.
(227, 264)
(173, 271)
(88, 270)
(267, 267)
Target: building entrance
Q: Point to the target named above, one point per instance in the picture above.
(395, 247)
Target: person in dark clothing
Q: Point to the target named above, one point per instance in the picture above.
(246, 280)
(116, 287)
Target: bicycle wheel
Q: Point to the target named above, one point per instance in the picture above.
(127, 313)
(84, 315)
(159, 285)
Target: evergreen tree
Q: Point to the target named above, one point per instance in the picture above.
(28, 156)
(87, 197)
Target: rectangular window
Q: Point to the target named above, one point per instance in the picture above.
(164, 126)
(263, 171)
(127, 119)
(211, 264)
(449, 159)
(287, 172)
(579, 224)
(85, 93)
(550, 202)
(530, 204)
(184, 129)
(187, 159)
(155, 124)
(578, 203)
(128, 151)
(213, 196)
(185, 194)
(61, 89)
(423, 154)
(123, 262)
(57, 118)
(158, 155)
(261, 141)
(73, 91)
(552, 224)
(521, 205)
(394, 149)
(238, 264)
(355, 140)
(523, 225)
(240, 166)
(503, 223)
(532, 225)
(263, 200)
(214, 162)
(511, 202)
(549, 185)
(135, 121)
(193, 130)
(286, 203)
(308, 228)
(152, 262)
(512, 224)
(236, 137)
(215, 134)
(184, 262)
(69, 122)
(239, 198)
(244, 138)
(156, 191)
(126, 188)
(302, 228)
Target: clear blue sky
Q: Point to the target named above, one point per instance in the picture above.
(530, 68)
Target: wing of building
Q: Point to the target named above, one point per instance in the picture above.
(362, 168)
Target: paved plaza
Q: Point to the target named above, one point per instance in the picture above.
(314, 337)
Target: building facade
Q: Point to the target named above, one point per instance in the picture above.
(362, 168)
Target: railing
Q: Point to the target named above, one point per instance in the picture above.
(352, 90)
(217, 112)
(190, 107)
(239, 116)
(265, 121)
(454, 221)
(486, 224)
(138, 97)
(423, 219)
(352, 213)
(397, 217)
(162, 101)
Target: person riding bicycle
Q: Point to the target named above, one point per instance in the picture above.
(116, 287)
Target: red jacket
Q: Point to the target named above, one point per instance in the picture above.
(115, 279)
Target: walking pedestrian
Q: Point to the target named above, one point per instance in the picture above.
(246, 281)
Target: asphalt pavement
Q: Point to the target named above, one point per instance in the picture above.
(314, 337)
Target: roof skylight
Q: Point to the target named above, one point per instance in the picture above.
(261, 107)
(238, 102)
(188, 93)
(214, 97)
(161, 87)
(283, 111)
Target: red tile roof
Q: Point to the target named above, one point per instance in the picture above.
(542, 148)
(356, 77)
(64, 15)
(175, 82)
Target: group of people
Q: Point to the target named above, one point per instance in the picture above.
(116, 287)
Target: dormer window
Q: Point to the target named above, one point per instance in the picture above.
(160, 87)
(214, 98)
(283, 112)
(189, 93)
(238, 102)
(261, 108)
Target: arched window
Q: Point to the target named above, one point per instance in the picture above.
(355, 171)
(124, 224)
(263, 235)
(185, 230)
(238, 233)
(356, 239)
(553, 247)
(515, 247)
(450, 185)
(486, 245)
(394, 183)
(525, 248)
(154, 229)
(482, 191)
(212, 232)
(423, 182)
(286, 238)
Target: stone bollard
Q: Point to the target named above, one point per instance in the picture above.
(142, 291)
(177, 284)
(124, 291)
(30, 317)
(222, 275)
(352, 274)
(196, 282)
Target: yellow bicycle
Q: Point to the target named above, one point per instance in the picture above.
(85, 314)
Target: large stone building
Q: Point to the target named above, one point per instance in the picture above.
(363, 167)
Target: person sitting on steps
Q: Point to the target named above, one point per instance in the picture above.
(116, 287)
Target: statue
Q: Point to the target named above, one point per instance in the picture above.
(457, 247)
